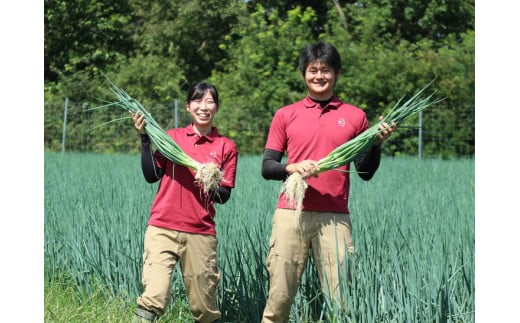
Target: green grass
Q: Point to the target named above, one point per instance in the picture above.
(64, 303)
(413, 229)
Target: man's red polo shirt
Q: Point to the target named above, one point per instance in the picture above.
(306, 131)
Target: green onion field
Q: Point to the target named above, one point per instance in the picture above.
(413, 229)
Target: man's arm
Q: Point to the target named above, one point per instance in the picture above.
(220, 195)
(272, 168)
(368, 162)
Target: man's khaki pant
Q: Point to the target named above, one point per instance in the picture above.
(197, 255)
(329, 236)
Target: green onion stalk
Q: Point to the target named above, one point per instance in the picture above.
(294, 186)
(208, 175)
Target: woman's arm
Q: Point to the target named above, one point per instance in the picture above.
(151, 172)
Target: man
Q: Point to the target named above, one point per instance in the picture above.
(307, 131)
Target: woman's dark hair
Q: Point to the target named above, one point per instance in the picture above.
(320, 52)
(197, 91)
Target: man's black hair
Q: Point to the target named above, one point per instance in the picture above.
(321, 52)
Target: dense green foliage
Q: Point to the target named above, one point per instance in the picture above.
(249, 49)
(415, 246)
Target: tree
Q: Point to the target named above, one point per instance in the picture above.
(381, 66)
(320, 8)
(82, 35)
(249, 50)
(153, 50)
(190, 31)
(261, 73)
(410, 20)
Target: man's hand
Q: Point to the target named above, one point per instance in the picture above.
(385, 130)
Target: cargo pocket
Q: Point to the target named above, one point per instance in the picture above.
(272, 255)
(213, 275)
(146, 268)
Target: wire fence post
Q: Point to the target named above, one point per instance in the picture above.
(64, 125)
(176, 113)
(420, 136)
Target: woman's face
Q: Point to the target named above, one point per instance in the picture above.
(320, 79)
(202, 111)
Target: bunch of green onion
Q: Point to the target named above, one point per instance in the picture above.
(347, 152)
(208, 175)
(294, 186)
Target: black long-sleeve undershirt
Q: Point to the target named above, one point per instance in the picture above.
(152, 173)
(366, 164)
(272, 168)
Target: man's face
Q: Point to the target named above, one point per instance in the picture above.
(320, 79)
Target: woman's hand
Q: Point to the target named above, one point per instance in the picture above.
(139, 122)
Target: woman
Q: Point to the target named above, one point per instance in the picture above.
(181, 226)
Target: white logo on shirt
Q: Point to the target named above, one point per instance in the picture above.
(341, 122)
